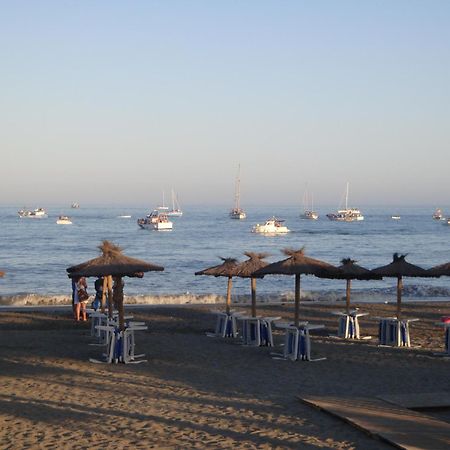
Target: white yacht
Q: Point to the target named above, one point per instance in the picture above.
(64, 220)
(271, 226)
(38, 213)
(237, 212)
(156, 220)
(347, 214)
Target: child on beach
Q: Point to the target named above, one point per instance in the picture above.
(79, 298)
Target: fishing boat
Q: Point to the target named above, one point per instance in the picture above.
(347, 214)
(271, 226)
(308, 209)
(64, 220)
(437, 215)
(38, 213)
(176, 210)
(237, 212)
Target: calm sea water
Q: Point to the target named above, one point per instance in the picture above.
(35, 253)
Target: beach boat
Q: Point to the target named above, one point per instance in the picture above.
(271, 226)
(347, 214)
(237, 212)
(176, 210)
(38, 213)
(308, 208)
(437, 215)
(64, 220)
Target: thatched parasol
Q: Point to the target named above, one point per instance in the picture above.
(246, 270)
(439, 271)
(113, 263)
(296, 264)
(399, 268)
(227, 269)
(349, 271)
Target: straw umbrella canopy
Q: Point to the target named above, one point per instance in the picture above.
(227, 269)
(296, 264)
(113, 263)
(349, 270)
(247, 268)
(399, 268)
(441, 270)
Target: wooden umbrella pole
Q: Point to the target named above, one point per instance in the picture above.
(104, 289)
(230, 281)
(253, 285)
(347, 296)
(297, 300)
(399, 297)
(110, 297)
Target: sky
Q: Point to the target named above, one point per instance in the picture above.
(115, 102)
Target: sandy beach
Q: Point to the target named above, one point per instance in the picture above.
(201, 392)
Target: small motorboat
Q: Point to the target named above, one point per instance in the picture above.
(38, 213)
(64, 220)
(309, 215)
(395, 217)
(437, 215)
(156, 220)
(271, 226)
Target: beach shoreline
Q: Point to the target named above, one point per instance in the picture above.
(198, 392)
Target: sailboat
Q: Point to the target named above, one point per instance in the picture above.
(237, 212)
(176, 210)
(308, 210)
(347, 214)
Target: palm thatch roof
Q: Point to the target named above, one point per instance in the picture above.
(441, 270)
(400, 268)
(349, 270)
(229, 268)
(112, 262)
(296, 263)
(254, 262)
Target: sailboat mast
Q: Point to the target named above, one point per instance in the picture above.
(237, 190)
(346, 197)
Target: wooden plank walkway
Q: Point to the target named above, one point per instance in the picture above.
(394, 424)
(419, 400)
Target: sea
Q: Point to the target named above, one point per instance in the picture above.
(36, 252)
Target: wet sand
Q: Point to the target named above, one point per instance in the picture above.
(200, 392)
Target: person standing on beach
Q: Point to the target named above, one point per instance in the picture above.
(79, 298)
(98, 293)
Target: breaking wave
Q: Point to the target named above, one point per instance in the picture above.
(380, 295)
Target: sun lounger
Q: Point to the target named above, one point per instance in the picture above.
(394, 332)
(349, 324)
(257, 331)
(297, 341)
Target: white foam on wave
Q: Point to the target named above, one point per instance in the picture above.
(381, 295)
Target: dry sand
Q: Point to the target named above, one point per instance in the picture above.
(200, 392)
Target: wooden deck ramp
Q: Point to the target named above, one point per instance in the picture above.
(394, 424)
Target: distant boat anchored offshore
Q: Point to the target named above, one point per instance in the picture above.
(437, 215)
(308, 209)
(176, 210)
(64, 220)
(271, 226)
(237, 212)
(38, 213)
(347, 214)
(156, 220)
(75, 205)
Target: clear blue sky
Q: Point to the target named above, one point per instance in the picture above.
(115, 101)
